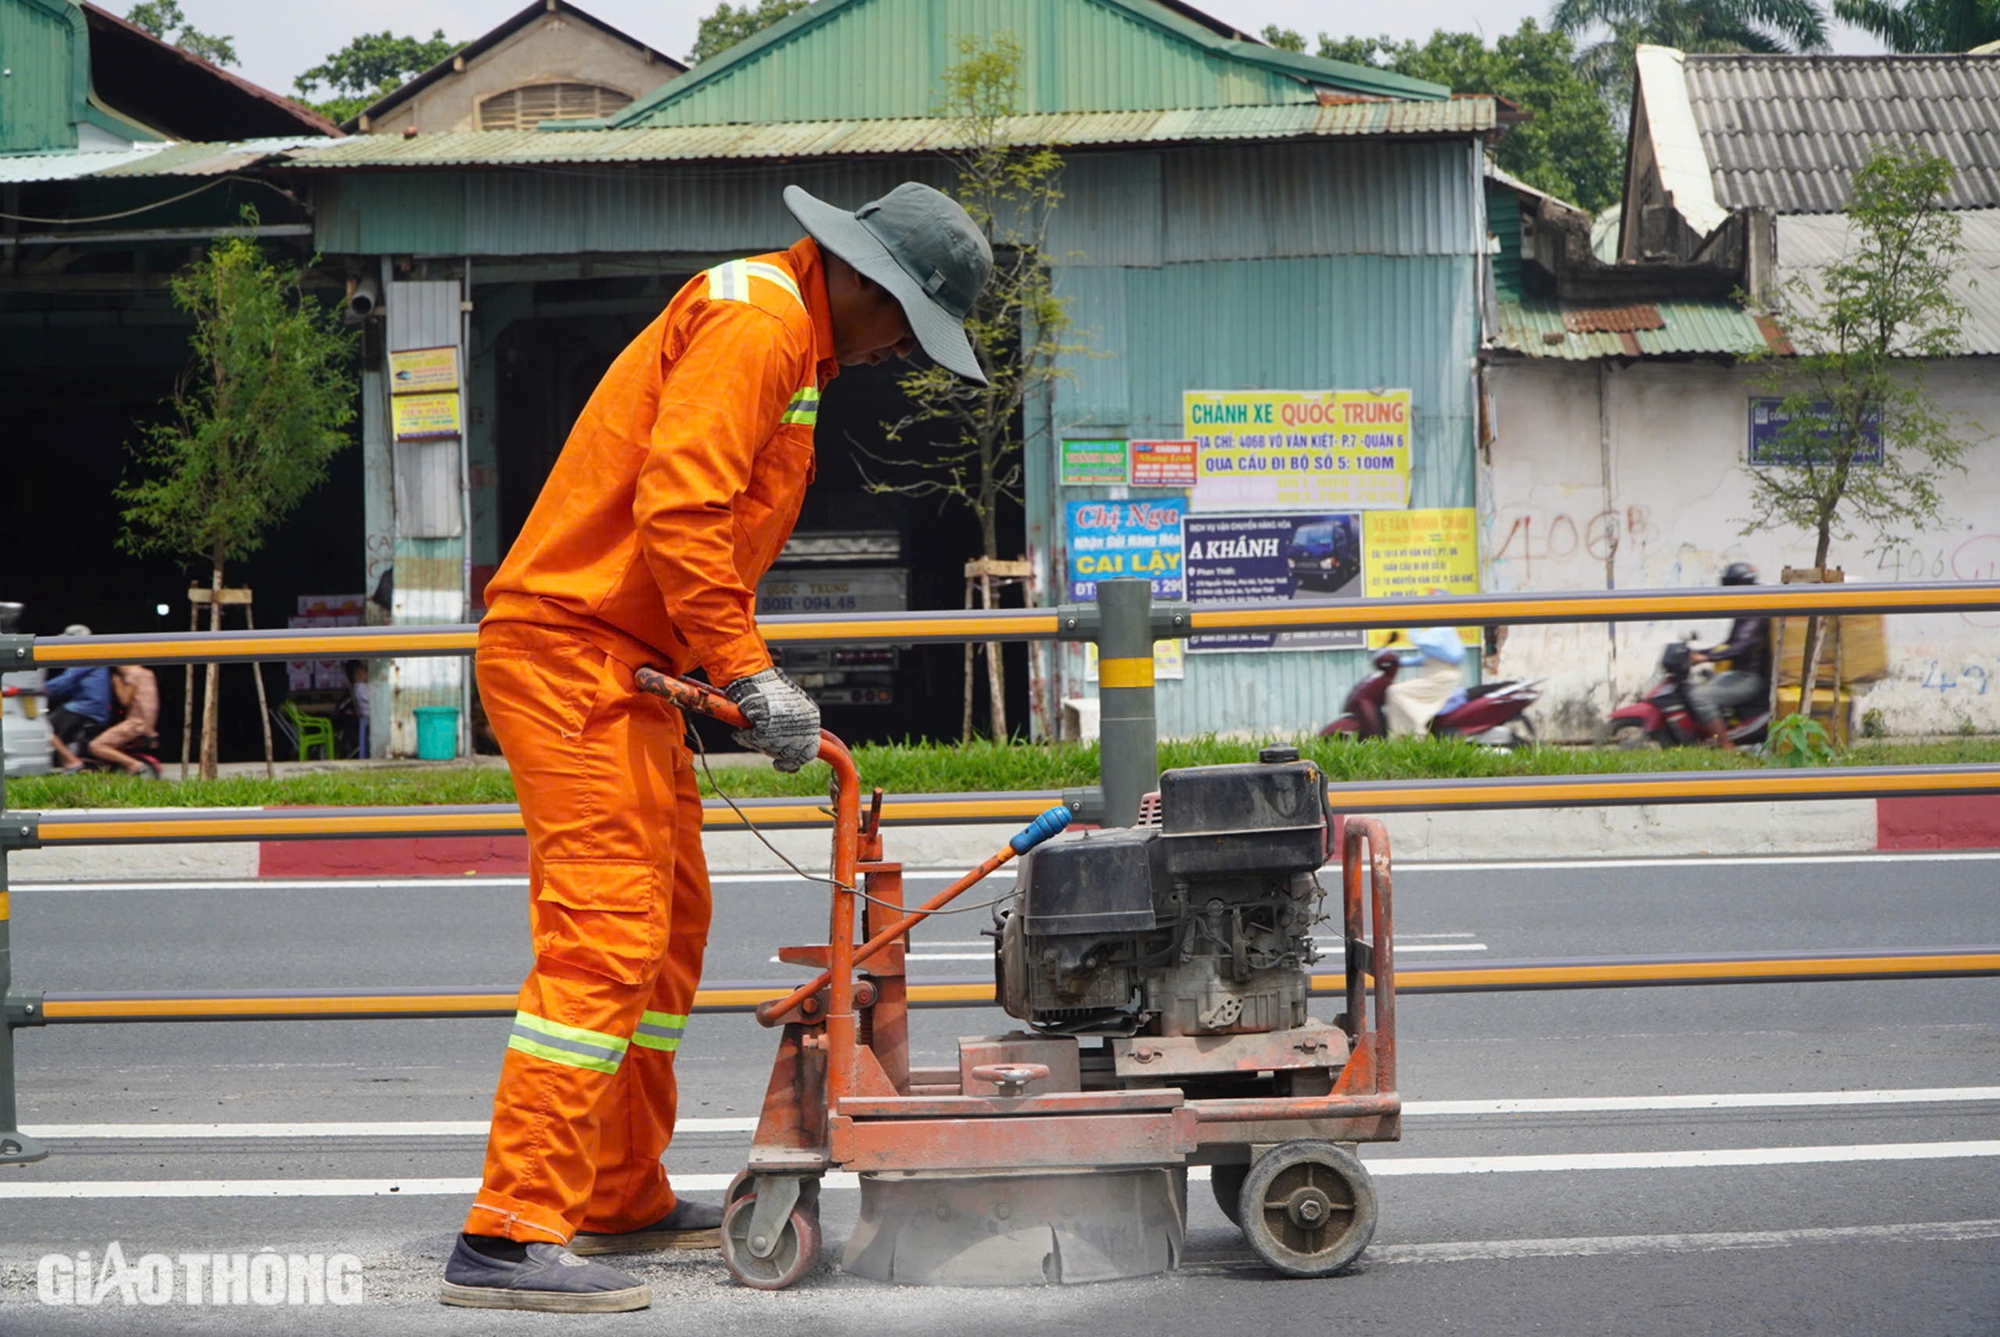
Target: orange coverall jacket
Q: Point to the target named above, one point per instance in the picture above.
(683, 477)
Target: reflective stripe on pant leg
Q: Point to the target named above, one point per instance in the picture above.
(573, 1045)
(660, 1030)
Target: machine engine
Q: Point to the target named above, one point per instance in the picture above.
(1201, 925)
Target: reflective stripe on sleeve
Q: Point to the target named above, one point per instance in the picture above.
(730, 281)
(804, 408)
(571, 1045)
(660, 1030)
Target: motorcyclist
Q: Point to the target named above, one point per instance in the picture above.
(1415, 698)
(1747, 651)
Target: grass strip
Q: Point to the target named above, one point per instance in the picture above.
(937, 768)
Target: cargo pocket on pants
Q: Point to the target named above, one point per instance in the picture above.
(605, 917)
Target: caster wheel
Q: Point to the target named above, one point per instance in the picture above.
(745, 1185)
(1226, 1182)
(1308, 1208)
(796, 1254)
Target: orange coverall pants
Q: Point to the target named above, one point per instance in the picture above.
(619, 907)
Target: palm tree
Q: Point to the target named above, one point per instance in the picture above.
(1925, 25)
(1762, 26)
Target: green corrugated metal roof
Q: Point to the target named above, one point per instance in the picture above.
(46, 49)
(1503, 223)
(1686, 328)
(885, 58)
(828, 139)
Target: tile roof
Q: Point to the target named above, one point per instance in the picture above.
(1806, 242)
(1787, 132)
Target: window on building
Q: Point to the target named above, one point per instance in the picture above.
(526, 107)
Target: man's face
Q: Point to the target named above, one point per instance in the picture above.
(873, 328)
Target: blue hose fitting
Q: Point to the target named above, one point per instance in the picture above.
(1050, 823)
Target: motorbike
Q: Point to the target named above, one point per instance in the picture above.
(1661, 716)
(1491, 714)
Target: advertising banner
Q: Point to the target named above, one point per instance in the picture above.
(1093, 463)
(1299, 450)
(1308, 558)
(415, 417)
(1163, 464)
(1108, 539)
(1410, 554)
(416, 370)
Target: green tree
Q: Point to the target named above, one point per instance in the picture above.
(1571, 148)
(1620, 26)
(1284, 39)
(972, 449)
(1865, 325)
(368, 67)
(1925, 25)
(164, 20)
(730, 24)
(262, 409)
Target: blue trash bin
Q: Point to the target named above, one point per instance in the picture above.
(437, 732)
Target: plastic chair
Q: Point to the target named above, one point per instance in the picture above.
(309, 731)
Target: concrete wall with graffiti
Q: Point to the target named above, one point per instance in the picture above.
(1631, 477)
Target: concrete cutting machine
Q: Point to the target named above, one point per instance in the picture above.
(1162, 973)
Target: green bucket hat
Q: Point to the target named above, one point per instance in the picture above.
(922, 247)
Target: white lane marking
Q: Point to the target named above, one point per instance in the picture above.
(1484, 1251)
(1405, 947)
(1933, 1095)
(1708, 1158)
(1380, 1167)
(1697, 861)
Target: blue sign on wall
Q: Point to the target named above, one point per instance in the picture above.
(1768, 421)
(1109, 539)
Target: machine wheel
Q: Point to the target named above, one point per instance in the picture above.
(1308, 1208)
(796, 1254)
(1226, 1182)
(1630, 736)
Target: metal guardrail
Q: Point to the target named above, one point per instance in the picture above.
(1123, 624)
(1070, 622)
(203, 826)
(72, 1008)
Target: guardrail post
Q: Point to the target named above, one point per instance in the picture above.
(16, 1147)
(1128, 747)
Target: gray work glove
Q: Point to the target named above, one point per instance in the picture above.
(784, 721)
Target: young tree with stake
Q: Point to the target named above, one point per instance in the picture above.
(1865, 325)
(1018, 330)
(262, 409)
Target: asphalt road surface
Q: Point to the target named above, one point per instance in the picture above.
(1564, 1166)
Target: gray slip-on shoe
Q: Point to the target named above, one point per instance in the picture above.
(549, 1280)
(690, 1225)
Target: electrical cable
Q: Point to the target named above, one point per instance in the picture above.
(702, 751)
(144, 208)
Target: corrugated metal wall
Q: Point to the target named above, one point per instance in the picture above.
(39, 102)
(883, 58)
(1364, 275)
(429, 571)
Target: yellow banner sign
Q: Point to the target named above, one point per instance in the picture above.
(418, 416)
(1299, 450)
(1411, 554)
(417, 370)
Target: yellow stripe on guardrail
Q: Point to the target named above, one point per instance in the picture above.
(1416, 979)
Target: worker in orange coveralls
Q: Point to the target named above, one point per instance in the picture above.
(675, 492)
